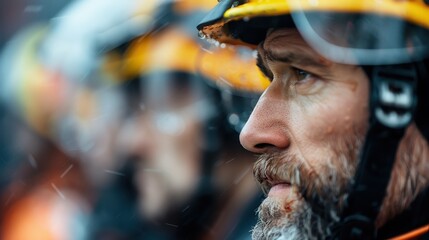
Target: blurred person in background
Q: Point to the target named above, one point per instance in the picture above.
(46, 195)
(188, 174)
(62, 117)
(53, 79)
(43, 191)
(14, 15)
(342, 130)
(192, 177)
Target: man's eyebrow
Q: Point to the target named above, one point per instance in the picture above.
(294, 58)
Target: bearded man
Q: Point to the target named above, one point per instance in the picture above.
(335, 120)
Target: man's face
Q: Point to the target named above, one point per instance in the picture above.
(309, 126)
(166, 140)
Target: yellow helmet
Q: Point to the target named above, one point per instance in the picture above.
(186, 6)
(156, 55)
(159, 53)
(369, 32)
(45, 97)
(30, 89)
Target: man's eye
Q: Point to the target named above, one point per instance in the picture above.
(301, 74)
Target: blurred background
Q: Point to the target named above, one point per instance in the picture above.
(118, 122)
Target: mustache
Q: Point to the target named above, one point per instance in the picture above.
(270, 170)
(323, 184)
(277, 168)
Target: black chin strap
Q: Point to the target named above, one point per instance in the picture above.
(421, 116)
(393, 103)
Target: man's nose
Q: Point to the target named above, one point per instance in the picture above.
(266, 129)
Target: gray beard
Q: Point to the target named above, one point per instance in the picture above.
(319, 195)
(303, 223)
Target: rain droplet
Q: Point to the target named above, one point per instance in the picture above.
(67, 170)
(255, 53)
(232, 159)
(32, 161)
(241, 176)
(172, 225)
(201, 34)
(233, 119)
(185, 209)
(114, 172)
(58, 191)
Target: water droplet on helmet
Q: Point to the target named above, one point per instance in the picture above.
(233, 119)
(201, 35)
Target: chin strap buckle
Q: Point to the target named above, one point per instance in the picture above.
(394, 95)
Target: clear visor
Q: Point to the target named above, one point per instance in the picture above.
(169, 93)
(365, 39)
(237, 78)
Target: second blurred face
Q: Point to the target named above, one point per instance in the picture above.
(166, 139)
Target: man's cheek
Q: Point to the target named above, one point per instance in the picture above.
(309, 119)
